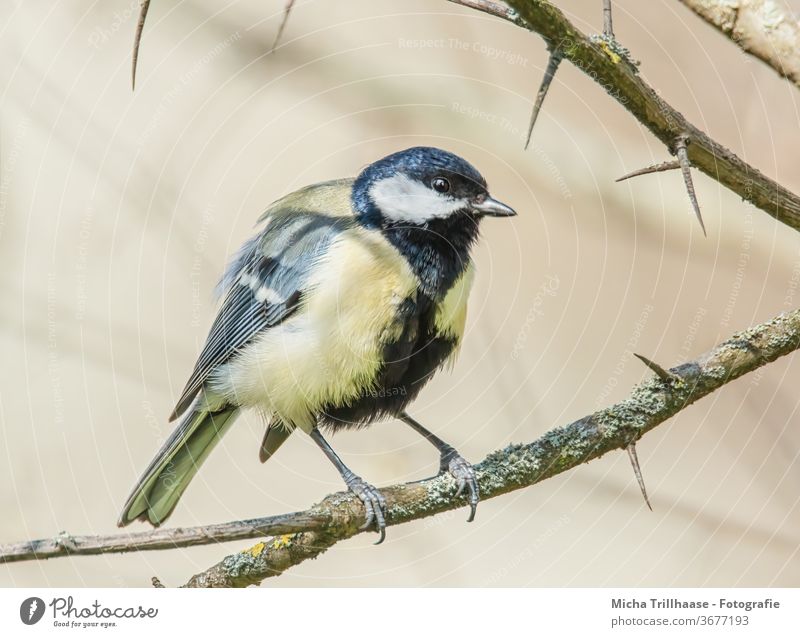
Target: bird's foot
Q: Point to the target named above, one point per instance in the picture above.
(374, 504)
(465, 476)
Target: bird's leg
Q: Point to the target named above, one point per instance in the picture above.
(452, 461)
(374, 502)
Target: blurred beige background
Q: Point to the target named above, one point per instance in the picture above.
(118, 210)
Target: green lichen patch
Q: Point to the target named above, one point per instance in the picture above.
(614, 50)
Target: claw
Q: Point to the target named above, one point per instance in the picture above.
(374, 505)
(464, 473)
(381, 523)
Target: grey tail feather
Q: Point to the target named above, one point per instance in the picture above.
(275, 435)
(165, 479)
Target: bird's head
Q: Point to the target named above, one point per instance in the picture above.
(420, 185)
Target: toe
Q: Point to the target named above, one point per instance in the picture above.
(462, 483)
(374, 506)
(473, 500)
(381, 500)
(370, 513)
(466, 478)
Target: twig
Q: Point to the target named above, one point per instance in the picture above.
(286, 11)
(619, 77)
(137, 38)
(655, 168)
(637, 470)
(158, 539)
(552, 66)
(492, 8)
(759, 27)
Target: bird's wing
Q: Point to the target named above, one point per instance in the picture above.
(263, 286)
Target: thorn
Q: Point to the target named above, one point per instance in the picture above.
(552, 66)
(608, 27)
(683, 159)
(655, 168)
(659, 371)
(638, 471)
(156, 582)
(286, 11)
(137, 38)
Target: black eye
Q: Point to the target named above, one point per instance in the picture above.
(440, 184)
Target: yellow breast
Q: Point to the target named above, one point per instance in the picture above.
(451, 314)
(330, 351)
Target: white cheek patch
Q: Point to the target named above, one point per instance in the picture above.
(402, 199)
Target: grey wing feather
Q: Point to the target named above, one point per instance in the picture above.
(262, 286)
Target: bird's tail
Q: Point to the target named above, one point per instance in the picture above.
(160, 487)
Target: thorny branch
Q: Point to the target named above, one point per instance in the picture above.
(307, 534)
(611, 66)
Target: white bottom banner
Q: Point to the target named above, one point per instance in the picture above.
(388, 612)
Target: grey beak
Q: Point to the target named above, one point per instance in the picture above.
(493, 208)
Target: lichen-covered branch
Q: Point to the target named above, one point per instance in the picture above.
(158, 539)
(761, 28)
(611, 66)
(518, 466)
(307, 534)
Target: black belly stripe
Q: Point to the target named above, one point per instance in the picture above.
(409, 363)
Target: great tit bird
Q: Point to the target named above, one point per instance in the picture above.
(334, 315)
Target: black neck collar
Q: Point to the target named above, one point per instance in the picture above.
(438, 252)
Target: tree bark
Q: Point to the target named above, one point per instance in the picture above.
(760, 28)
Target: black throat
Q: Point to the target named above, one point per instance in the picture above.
(438, 251)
